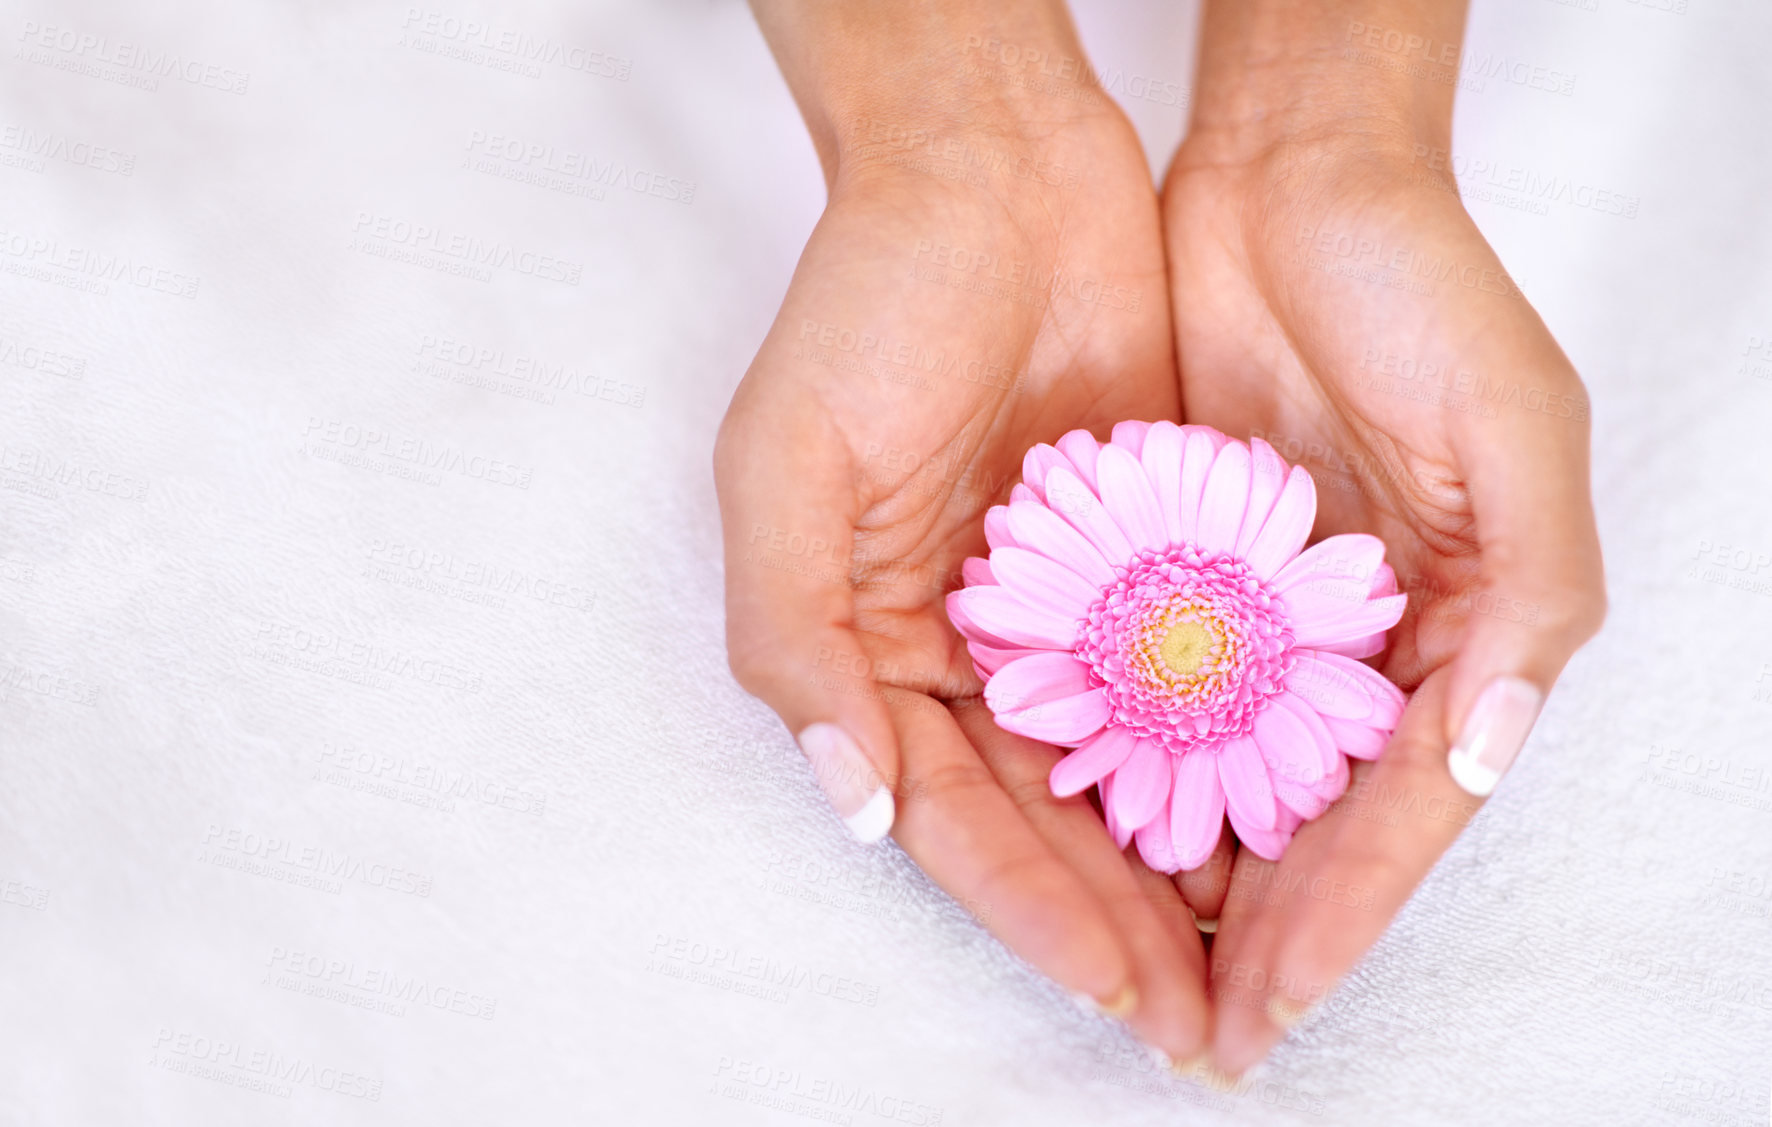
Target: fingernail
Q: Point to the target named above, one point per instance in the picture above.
(1210, 927)
(1194, 1067)
(1124, 1001)
(850, 780)
(1285, 1012)
(1493, 734)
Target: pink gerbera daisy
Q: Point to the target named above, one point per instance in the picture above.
(1146, 603)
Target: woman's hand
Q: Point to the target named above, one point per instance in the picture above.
(1332, 295)
(988, 274)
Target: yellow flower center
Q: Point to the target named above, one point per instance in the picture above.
(1185, 648)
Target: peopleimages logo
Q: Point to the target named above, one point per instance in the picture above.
(134, 65)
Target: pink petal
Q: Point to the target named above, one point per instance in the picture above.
(1127, 493)
(1006, 617)
(1269, 845)
(1385, 582)
(1375, 616)
(1329, 688)
(1141, 785)
(1325, 597)
(1129, 435)
(1248, 795)
(1196, 810)
(1092, 762)
(1287, 527)
(1198, 454)
(1155, 846)
(1356, 738)
(1122, 835)
(1267, 477)
(970, 629)
(1162, 465)
(1226, 498)
(1039, 529)
(1034, 680)
(976, 572)
(1350, 555)
(1020, 492)
(1036, 464)
(1356, 648)
(1215, 437)
(1067, 721)
(996, 527)
(1044, 584)
(1289, 746)
(1313, 723)
(1310, 802)
(1082, 450)
(988, 659)
(1077, 504)
(1387, 699)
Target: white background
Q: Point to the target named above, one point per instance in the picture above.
(199, 560)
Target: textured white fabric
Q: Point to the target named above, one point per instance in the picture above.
(567, 871)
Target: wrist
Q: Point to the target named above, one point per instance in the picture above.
(1359, 77)
(877, 81)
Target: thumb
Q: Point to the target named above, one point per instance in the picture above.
(785, 509)
(1541, 592)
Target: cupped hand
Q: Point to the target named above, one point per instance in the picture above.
(1334, 297)
(947, 314)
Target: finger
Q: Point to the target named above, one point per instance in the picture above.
(1203, 888)
(1344, 877)
(786, 513)
(1542, 587)
(1168, 968)
(962, 827)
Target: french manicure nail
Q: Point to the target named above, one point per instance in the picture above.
(1285, 1012)
(850, 780)
(1124, 1001)
(1493, 734)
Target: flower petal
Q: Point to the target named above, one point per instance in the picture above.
(1375, 616)
(1044, 584)
(1082, 450)
(1289, 747)
(1039, 529)
(976, 572)
(1130, 500)
(1349, 555)
(1356, 738)
(969, 627)
(1310, 802)
(1082, 510)
(996, 527)
(1142, 783)
(1004, 616)
(1093, 761)
(1387, 699)
(1067, 721)
(1248, 794)
(1161, 458)
(1287, 527)
(1320, 736)
(1329, 688)
(1036, 464)
(1196, 809)
(1356, 648)
(1044, 676)
(988, 659)
(1129, 436)
(1198, 454)
(1267, 477)
(1155, 846)
(1270, 845)
(1226, 498)
(1121, 834)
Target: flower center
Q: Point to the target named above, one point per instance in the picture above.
(1188, 646)
(1185, 648)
